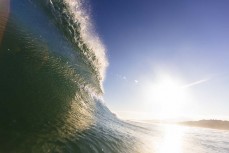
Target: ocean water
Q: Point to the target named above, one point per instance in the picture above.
(171, 138)
(52, 67)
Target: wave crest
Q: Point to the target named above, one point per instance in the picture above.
(83, 34)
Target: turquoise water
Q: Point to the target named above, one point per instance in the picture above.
(52, 68)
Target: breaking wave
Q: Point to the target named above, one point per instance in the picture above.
(52, 67)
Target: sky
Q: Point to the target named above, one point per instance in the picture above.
(167, 59)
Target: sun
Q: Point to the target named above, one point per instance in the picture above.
(169, 96)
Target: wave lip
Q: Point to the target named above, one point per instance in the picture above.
(72, 18)
(87, 33)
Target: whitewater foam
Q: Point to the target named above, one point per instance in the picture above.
(88, 34)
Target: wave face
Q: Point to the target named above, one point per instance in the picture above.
(52, 66)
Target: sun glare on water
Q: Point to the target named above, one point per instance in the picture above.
(172, 141)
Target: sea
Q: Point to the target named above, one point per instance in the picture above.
(52, 68)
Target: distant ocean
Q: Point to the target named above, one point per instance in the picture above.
(52, 67)
(171, 138)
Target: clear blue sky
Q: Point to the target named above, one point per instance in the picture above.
(185, 41)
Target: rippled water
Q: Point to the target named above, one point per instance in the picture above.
(165, 138)
(51, 73)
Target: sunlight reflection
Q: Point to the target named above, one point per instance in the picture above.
(172, 140)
